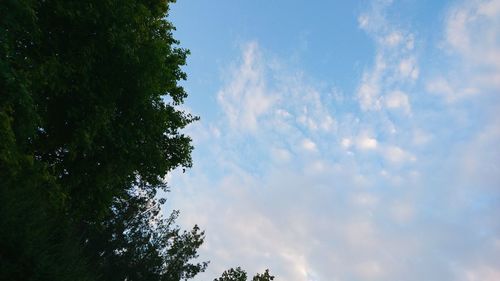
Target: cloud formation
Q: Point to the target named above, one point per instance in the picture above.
(248, 87)
(403, 186)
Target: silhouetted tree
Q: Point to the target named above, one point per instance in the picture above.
(238, 274)
(89, 127)
(263, 277)
(136, 243)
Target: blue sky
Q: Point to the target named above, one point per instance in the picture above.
(344, 140)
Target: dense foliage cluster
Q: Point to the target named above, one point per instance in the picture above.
(88, 129)
(238, 274)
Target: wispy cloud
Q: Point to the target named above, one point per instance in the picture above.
(245, 98)
(395, 67)
(288, 180)
(471, 40)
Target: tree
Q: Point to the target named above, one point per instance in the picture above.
(240, 275)
(233, 275)
(91, 88)
(89, 113)
(263, 277)
(136, 243)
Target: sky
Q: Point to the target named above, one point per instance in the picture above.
(343, 140)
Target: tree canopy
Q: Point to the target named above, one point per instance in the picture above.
(89, 127)
(238, 274)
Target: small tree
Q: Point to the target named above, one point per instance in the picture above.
(263, 277)
(238, 274)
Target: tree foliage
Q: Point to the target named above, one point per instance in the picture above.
(263, 277)
(135, 231)
(89, 127)
(233, 274)
(238, 274)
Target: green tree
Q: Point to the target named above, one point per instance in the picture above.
(238, 274)
(233, 274)
(136, 243)
(89, 127)
(263, 277)
(91, 88)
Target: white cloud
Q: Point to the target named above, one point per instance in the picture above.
(283, 113)
(361, 233)
(363, 21)
(375, 214)
(369, 270)
(281, 154)
(471, 33)
(369, 90)
(393, 39)
(398, 100)
(365, 142)
(309, 145)
(246, 98)
(397, 155)
(365, 199)
(313, 114)
(441, 86)
(346, 143)
(421, 137)
(403, 212)
(395, 64)
(450, 93)
(489, 8)
(328, 123)
(408, 68)
(478, 159)
(481, 273)
(472, 30)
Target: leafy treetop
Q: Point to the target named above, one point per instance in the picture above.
(238, 274)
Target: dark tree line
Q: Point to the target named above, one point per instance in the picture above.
(89, 127)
